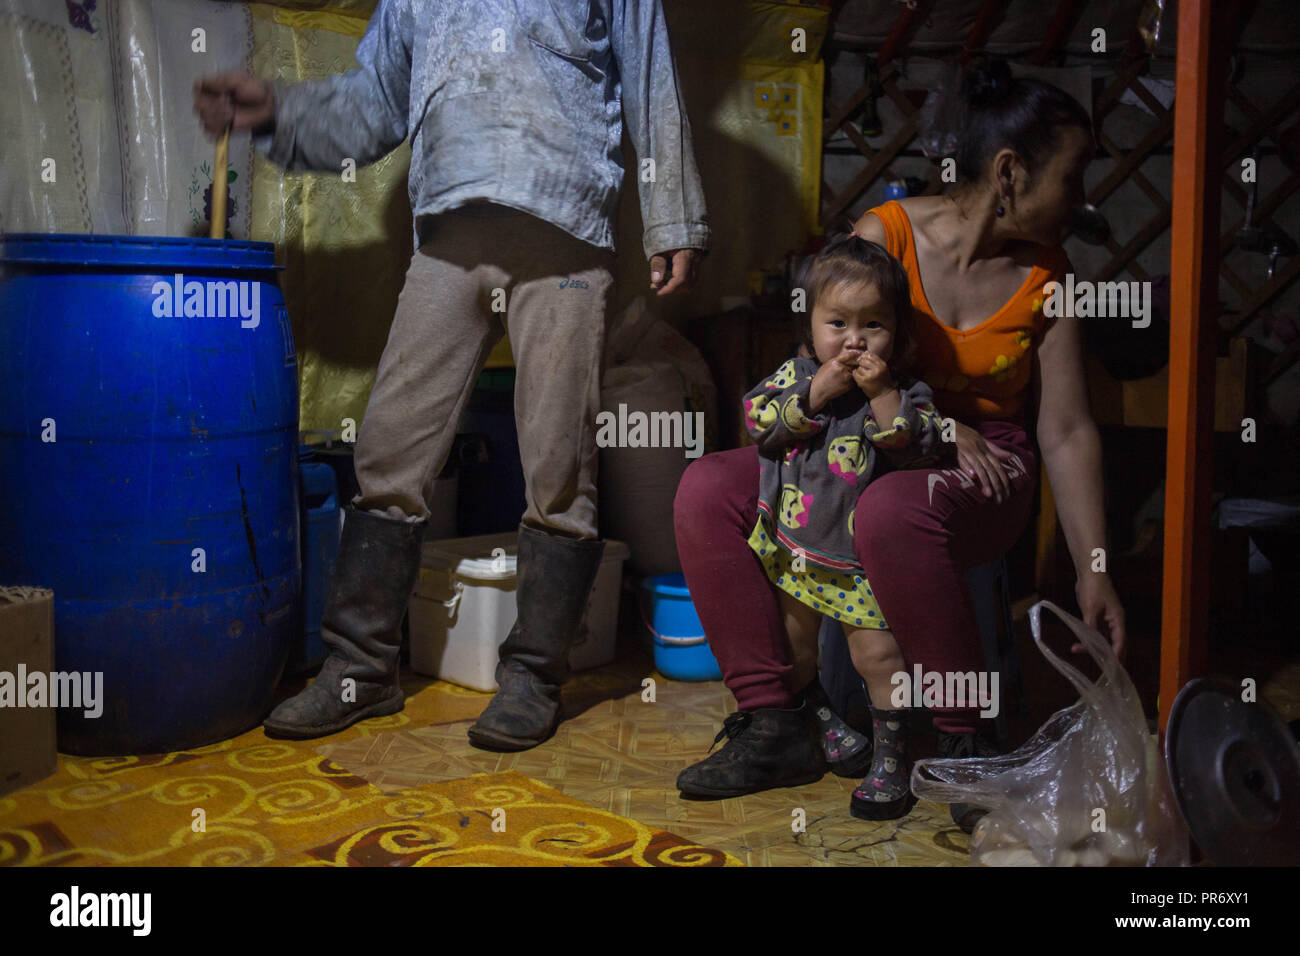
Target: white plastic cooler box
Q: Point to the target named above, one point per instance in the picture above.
(463, 606)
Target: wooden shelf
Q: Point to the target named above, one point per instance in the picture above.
(1144, 403)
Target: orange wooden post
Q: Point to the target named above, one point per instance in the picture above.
(1194, 296)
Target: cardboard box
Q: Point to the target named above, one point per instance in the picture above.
(27, 734)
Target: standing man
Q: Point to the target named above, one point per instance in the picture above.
(515, 111)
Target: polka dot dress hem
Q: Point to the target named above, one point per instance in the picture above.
(851, 602)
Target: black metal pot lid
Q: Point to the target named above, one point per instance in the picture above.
(1235, 771)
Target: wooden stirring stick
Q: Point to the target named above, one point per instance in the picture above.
(218, 229)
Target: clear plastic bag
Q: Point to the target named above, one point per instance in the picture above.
(1044, 798)
(942, 114)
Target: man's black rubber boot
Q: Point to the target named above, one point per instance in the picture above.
(847, 752)
(379, 559)
(766, 749)
(962, 747)
(554, 581)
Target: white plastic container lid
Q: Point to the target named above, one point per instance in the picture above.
(472, 557)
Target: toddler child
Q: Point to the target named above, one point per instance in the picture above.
(825, 427)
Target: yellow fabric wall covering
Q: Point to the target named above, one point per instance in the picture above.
(353, 9)
(345, 245)
(345, 23)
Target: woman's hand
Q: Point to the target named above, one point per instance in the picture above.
(983, 462)
(833, 379)
(1098, 602)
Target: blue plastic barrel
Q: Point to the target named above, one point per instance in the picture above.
(680, 648)
(320, 550)
(148, 474)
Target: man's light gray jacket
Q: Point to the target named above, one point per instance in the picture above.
(517, 102)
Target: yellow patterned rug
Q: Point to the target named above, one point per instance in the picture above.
(255, 801)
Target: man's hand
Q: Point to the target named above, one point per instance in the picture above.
(238, 100)
(873, 376)
(674, 269)
(833, 379)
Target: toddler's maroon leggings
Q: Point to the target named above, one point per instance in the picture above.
(915, 537)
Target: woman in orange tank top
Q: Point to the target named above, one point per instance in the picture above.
(977, 260)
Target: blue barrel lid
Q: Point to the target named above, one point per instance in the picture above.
(142, 252)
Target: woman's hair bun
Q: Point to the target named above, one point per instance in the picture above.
(986, 83)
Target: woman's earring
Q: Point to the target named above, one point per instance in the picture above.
(1001, 211)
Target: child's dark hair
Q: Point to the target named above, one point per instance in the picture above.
(1024, 114)
(850, 258)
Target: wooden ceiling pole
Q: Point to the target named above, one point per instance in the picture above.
(990, 18)
(1063, 21)
(911, 19)
(1194, 295)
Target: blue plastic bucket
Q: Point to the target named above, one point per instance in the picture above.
(680, 647)
(148, 474)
